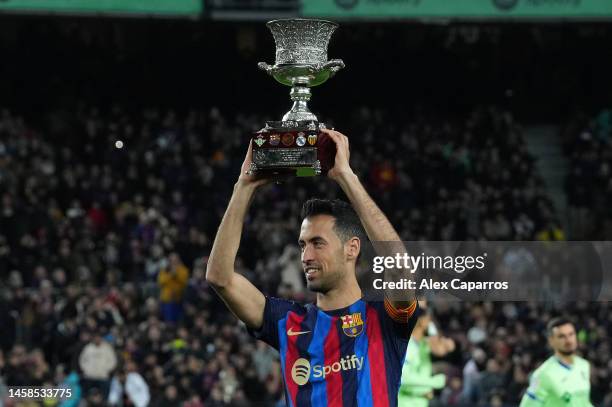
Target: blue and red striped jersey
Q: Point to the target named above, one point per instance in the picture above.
(342, 358)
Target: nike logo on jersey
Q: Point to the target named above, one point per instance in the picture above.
(291, 332)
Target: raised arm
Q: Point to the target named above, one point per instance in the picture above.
(239, 294)
(374, 221)
(376, 224)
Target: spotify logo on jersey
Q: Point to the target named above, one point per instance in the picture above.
(300, 371)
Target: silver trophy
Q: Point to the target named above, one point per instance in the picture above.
(295, 143)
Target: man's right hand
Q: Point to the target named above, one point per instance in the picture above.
(246, 178)
(438, 381)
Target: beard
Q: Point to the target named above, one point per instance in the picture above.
(323, 284)
(316, 287)
(326, 281)
(567, 352)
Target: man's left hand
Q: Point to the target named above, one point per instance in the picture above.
(341, 163)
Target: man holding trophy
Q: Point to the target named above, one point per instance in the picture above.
(343, 350)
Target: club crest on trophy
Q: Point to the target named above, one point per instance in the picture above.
(301, 63)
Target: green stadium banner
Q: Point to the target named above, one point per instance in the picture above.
(459, 9)
(185, 8)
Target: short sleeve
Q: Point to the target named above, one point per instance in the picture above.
(536, 393)
(275, 310)
(401, 320)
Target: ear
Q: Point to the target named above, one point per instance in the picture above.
(352, 247)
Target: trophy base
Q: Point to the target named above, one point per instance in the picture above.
(295, 148)
(307, 171)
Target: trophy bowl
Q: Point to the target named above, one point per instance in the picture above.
(301, 52)
(310, 75)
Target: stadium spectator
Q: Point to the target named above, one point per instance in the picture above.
(72, 382)
(491, 380)
(172, 283)
(97, 361)
(452, 394)
(471, 376)
(129, 386)
(588, 185)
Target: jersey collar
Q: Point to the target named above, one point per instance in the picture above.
(338, 311)
(565, 365)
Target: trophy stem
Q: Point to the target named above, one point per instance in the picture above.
(299, 111)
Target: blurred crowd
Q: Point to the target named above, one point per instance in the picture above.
(588, 144)
(502, 343)
(107, 219)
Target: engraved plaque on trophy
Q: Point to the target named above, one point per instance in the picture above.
(295, 144)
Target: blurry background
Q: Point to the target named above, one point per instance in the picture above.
(123, 126)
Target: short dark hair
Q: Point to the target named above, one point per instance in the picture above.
(555, 323)
(347, 223)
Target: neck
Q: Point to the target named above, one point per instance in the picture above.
(340, 297)
(568, 360)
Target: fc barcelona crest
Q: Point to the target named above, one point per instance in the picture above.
(352, 325)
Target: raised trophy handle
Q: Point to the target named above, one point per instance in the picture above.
(265, 67)
(333, 66)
